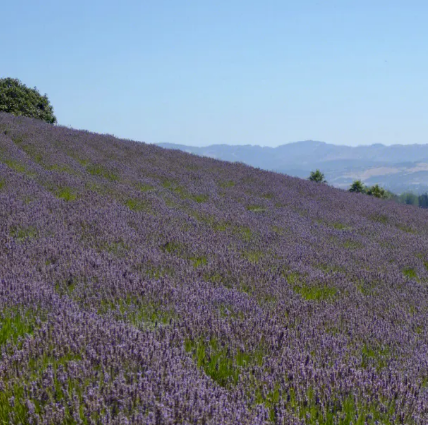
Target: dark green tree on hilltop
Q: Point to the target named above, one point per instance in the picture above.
(317, 176)
(357, 187)
(17, 99)
(377, 192)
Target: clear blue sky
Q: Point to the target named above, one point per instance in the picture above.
(200, 72)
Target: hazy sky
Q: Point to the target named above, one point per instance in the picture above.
(200, 72)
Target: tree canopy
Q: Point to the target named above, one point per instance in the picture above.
(317, 176)
(358, 187)
(377, 192)
(18, 99)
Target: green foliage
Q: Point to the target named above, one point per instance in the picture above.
(405, 228)
(315, 293)
(199, 261)
(211, 221)
(358, 187)
(410, 273)
(253, 256)
(256, 208)
(340, 226)
(173, 247)
(350, 244)
(15, 165)
(380, 218)
(18, 410)
(221, 363)
(145, 187)
(22, 233)
(183, 193)
(17, 99)
(136, 205)
(423, 200)
(375, 356)
(200, 198)
(182, 251)
(67, 194)
(139, 312)
(245, 233)
(377, 192)
(118, 248)
(15, 324)
(30, 150)
(278, 230)
(175, 188)
(220, 226)
(66, 286)
(99, 170)
(268, 195)
(317, 177)
(341, 410)
(368, 289)
(224, 278)
(409, 198)
(226, 184)
(60, 168)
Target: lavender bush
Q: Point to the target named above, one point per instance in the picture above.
(145, 286)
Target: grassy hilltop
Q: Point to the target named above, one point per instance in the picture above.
(140, 285)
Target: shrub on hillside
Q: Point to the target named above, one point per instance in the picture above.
(317, 176)
(18, 99)
(377, 192)
(357, 187)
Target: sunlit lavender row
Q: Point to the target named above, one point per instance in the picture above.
(145, 286)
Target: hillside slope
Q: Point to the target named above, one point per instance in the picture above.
(148, 286)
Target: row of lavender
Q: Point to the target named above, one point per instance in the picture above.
(141, 285)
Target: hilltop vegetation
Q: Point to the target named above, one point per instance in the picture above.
(18, 99)
(148, 286)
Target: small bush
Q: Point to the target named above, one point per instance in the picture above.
(317, 177)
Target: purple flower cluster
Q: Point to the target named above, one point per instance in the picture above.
(140, 285)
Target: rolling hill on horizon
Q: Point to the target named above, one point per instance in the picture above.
(143, 285)
(398, 168)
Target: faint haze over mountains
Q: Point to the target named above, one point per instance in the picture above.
(398, 168)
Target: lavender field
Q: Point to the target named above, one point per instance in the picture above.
(140, 285)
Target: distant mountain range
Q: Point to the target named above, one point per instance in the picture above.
(398, 168)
